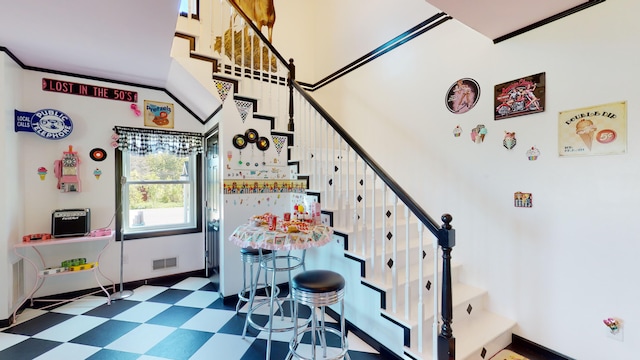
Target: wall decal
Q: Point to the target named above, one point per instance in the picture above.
(520, 97)
(462, 96)
(533, 154)
(457, 131)
(521, 199)
(238, 186)
(509, 141)
(42, 172)
(594, 130)
(478, 133)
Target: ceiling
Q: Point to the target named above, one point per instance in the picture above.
(502, 19)
(131, 41)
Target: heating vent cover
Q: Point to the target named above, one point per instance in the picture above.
(18, 281)
(165, 263)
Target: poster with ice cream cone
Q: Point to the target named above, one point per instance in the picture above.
(594, 130)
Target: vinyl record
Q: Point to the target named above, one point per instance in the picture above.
(240, 141)
(251, 135)
(262, 143)
(98, 154)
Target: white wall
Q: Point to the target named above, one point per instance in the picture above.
(11, 208)
(93, 121)
(560, 267)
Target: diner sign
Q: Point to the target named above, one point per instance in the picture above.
(67, 87)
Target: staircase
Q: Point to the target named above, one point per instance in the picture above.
(382, 232)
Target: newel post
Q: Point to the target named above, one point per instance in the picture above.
(446, 341)
(290, 80)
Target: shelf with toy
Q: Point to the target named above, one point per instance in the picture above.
(73, 266)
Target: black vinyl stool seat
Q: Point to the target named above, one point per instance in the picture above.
(253, 256)
(319, 288)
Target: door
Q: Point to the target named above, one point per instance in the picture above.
(213, 189)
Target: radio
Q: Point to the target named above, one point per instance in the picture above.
(70, 222)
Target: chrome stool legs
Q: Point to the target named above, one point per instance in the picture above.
(276, 263)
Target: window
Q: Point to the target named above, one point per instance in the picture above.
(190, 7)
(159, 191)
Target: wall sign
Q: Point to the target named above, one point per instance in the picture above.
(594, 130)
(462, 96)
(158, 114)
(47, 123)
(523, 96)
(102, 92)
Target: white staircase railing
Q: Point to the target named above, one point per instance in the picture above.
(385, 226)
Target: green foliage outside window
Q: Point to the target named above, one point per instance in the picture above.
(156, 167)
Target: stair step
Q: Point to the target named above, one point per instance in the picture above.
(488, 331)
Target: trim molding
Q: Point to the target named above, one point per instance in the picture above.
(64, 73)
(529, 348)
(403, 38)
(548, 20)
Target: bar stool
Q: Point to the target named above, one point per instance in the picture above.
(253, 256)
(318, 289)
(275, 264)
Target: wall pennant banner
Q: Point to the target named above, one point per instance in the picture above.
(243, 108)
(47, 123)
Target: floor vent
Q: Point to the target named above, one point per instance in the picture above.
(18, 281)
(165, 263)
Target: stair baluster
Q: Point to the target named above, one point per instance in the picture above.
(446, 340)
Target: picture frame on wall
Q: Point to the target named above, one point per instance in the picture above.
(158, 114)
(519, 97)
(593, 130)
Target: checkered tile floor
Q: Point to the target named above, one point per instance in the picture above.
(186, 320)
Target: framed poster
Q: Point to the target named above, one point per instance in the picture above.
(158, 114)
(462, 96)
(595, 130)
(523, 96)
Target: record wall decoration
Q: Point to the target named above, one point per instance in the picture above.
(262, 143)
(251, 135)
(97, 154)
(240, 141)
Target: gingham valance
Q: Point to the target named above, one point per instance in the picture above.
(142, 141)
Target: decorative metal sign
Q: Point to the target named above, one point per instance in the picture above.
(47, 123)
(523, 96)
(462, 96)
(67, 87)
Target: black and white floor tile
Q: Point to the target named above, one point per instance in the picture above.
(181, 321)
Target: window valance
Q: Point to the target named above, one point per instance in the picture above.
(142, 141)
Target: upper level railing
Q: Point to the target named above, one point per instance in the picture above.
(353, 183)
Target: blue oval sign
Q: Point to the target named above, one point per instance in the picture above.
(51, 124)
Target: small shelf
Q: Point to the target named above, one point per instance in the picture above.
(61, 241)
(39, 266)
